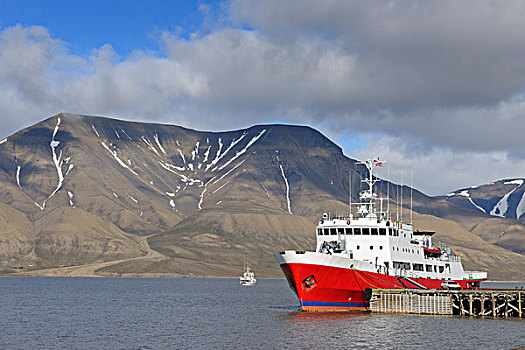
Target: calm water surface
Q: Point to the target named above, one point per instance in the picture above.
(137, 313)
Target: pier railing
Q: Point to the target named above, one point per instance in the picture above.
(476, 275)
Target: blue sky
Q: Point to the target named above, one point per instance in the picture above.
(435, 86)
(126, 25)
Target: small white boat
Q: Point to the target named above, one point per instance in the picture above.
(248, 277)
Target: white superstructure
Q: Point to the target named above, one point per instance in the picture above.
(387, 246)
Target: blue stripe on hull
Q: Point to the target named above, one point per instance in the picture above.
(333, 304)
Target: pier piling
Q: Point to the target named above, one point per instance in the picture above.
(477, 303)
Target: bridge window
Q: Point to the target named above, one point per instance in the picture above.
(382, 231)
(390, 231)
(357, 231)
(366, 231)
(326, 231)
(418, 267)
(374, 231)
(429, 268)
(319, 231)
(341, 231)
(441, 269)
(333, 232)
(348, 231)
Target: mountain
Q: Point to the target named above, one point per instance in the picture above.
(504, 198)
(85, 195)
(500, 199)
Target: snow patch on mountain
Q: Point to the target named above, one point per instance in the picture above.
(466, 194)
(241, 152)
(201, 198)
(95, 130)
(287, 189)
(18, 176)
(500, 209)
(218, 189)
(518, 182)
(520, 209)
(227, 173)
(56, 160)
(218, 158)
(125, 133)
(71, 166)
(114, 154)
(150, 145)
(182, 156)
(206, 154)
(195, 151)
(158, 143)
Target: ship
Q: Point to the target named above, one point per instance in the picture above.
(366, 250)
(248, 277)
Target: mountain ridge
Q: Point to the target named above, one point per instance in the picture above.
(81, 190)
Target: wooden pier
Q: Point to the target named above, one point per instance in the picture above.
(479, 303)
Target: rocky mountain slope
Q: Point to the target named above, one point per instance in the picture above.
(84, 195)
(503, 198)
(500, 199)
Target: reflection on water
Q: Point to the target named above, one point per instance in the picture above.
(133, 313)
(319, 317)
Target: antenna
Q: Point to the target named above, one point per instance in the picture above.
(397, 203)
(350, 193)
(410, 196)
(402, 185)
(388, 195)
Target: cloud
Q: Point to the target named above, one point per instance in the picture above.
(439, 170)
(409, 53)
(427, 84)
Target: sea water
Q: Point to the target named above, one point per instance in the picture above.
(148, 313)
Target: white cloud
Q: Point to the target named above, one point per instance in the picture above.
(438, 170)
(438, 86)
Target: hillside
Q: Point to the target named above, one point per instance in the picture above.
(87, 195)
(499, 199)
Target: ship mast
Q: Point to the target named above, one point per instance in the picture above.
(367, 207)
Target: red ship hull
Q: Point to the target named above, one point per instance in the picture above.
(323, 288)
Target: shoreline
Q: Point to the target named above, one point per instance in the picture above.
(166, 275)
